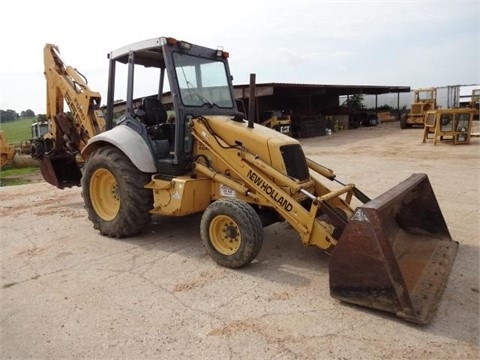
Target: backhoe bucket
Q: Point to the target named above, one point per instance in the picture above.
(60, 170)
(395, 253)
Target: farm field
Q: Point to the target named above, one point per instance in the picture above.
(18, 130)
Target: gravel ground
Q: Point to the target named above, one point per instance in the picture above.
(69, 293)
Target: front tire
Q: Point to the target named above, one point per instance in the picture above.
(113, 191)
(231, 232)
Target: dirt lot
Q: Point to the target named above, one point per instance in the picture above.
(68, 292)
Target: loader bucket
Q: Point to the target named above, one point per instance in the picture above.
(60, 170)
(395, 253)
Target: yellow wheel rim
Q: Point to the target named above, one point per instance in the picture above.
(104, 194)
(225, 235)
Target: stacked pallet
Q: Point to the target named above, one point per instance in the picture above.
(308, 126)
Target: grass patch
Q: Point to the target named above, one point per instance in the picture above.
(15, 176)
(18, 171)
(18, 130)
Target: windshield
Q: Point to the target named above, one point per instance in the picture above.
(202, 82)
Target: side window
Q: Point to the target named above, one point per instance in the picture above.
(462, 122)
(446, 122)
(430, 119)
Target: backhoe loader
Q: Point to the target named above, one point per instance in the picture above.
(277, 120)
(393, 253)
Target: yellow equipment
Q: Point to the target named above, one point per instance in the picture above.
(59, 149)
(273, 119)
(7, 152)
(424, 100)
(449, 124)
(393, 253)
(277, 120)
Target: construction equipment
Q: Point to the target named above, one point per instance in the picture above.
(7, 151)
(277, 120)
(393, 253)
(424, 100)
(38, 129)
(273, 119)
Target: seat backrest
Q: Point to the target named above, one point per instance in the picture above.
(155, 113)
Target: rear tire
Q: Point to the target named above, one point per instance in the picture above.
(113, 191)
(231, 232)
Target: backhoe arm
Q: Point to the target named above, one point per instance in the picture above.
(66, 84)
(59, 150)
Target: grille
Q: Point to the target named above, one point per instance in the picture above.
(295, 162)
(417, 109)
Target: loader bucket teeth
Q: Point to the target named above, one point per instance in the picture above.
(395, 253)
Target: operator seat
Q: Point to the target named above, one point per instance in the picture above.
(155, 113)
(155, 119)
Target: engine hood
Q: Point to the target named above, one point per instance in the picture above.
(260, 141)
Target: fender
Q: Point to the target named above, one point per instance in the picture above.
(131, 143)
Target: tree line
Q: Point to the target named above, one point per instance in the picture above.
(12, 115)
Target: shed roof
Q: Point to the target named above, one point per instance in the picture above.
(294, 89)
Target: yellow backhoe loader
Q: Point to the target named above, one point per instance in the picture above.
(277, 120)
(393, 253)
(7, 152)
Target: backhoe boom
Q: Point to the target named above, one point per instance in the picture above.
(59, 151)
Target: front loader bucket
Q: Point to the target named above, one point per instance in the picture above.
(395, 253)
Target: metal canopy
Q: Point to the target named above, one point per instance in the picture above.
(293, 90)
(147, 52)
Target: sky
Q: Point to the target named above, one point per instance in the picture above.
(414, 43)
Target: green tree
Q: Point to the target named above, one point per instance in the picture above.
(27, 113)
(355, 101)
(8, 115)
(41, 117)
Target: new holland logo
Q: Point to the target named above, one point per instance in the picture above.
(270, 191)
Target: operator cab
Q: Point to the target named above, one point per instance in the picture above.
(200, 84)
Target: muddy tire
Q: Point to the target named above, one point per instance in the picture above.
(113, 191)
(231, 232)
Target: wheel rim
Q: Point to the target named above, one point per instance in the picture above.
(104, 194)
(225, 235)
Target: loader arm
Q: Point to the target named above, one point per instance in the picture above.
(282, 194)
